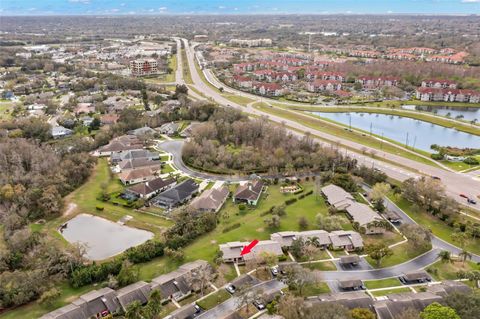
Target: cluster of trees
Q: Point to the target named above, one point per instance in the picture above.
(429, 195)
(230, 142)
(33, 179)
(189, 224)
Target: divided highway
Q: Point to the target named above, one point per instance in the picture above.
(455, 183)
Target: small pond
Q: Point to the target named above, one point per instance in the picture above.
(103, 238)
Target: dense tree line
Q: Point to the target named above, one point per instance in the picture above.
(33, 179)
(229, 142)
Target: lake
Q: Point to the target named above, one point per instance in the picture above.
(468, 113)
(421, 135)
(103, 238)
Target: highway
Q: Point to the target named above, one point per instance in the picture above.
(455, 183)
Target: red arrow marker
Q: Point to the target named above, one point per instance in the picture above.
(248, 248)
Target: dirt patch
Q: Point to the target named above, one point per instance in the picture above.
(70, 208)
(213, 241)
(260, 230)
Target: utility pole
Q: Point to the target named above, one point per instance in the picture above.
(406, 141)
(371, 128)
(414, 141)
(381, 143)
(350, 121)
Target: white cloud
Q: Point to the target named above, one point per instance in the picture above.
(470, 1)
(162, 8)
(221, 7)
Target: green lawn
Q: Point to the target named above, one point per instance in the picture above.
(186, 70)
(242, 100)
(458, 166)
(314, 289)
(214, 299)
(323, 266)
(336, 130)
(5, 110)
(382, 283)
(389, 291)
(168, 169)
(164, 158)
(438, 227)
(401, 254)
(448, 271)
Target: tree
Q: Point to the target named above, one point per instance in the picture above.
(460, 238)
(362, 313)
(302, 223)
(273, 222)
(378, 252)
(465, 255)
(297, 278)
(473, 275)
(245, 298)
(49, 297)
(445, 256)
(467, 306)
(154, 305)
(379, 191)
(201, 277)
(134, 311)
(330, 223)
(128, 274)
(437, 311)
(419, 237)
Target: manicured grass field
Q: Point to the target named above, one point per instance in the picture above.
(214, 299)
(242, 100)
(438, 227)
(316, 289)
(168, 169)
(382, 283)
(390, 291)
(401, 254)
(448, 270)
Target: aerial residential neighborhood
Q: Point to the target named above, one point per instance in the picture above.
(271, 160)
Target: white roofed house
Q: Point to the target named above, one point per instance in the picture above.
(348, 240)
(286, 238)
(366, 218)
(232, 251)
(337, 196)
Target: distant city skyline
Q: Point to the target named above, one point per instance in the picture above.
(152, 7)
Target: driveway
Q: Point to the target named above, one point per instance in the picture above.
(231, 305)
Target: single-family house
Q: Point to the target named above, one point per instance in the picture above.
(138, 175)
(142, 131)
(136, 154)
(138, 163)
(321, 238)
(394, 304)
(151, 188)
(337, 196)
(366, 217)
(168, 128)
(120, 144)
(249, 193)
(346, 239)
(176, 195)
(232, 251)
(211, 200)
(60, 131)
(351, 300)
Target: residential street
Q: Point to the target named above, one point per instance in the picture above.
(231, 305)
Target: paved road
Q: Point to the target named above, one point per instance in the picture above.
(174, 147)
(232, 304)
(455, 183)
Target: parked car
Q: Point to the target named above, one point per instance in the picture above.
(274, 271)
(471, 201)
(230, 288)
(464, 196)
(259, 304)
(436, 177)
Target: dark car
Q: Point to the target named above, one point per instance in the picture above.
(436, 177)
(464, 196)
(471, 201)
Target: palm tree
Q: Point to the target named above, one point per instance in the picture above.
(445, 256)
(465, 255)
(134, 311)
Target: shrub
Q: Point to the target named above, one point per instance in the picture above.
(437, 156)
(471, 161)
(290, 201)
(99, 207)
(282, 258)
(242, 207)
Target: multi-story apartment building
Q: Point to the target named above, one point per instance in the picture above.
(144, 67)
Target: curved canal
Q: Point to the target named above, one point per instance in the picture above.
(410, 132)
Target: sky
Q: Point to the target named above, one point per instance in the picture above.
(137, 7)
